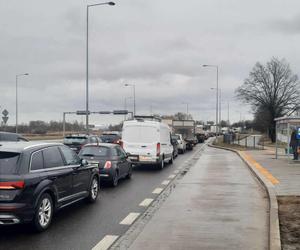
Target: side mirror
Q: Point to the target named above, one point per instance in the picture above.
(83, 162)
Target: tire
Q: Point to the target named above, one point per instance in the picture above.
(94, 190)
(171, 160)
(44, 213)
(115, 179)
(161, 164)
(129, 174)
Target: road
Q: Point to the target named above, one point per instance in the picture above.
(82, 225)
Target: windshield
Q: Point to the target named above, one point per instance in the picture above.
(94, 151)
(8, 162)
(74, 140)
(141, 134)
(176, 137)
(109, 137)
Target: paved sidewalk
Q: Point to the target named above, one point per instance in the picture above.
(218, 204)
(286, 172)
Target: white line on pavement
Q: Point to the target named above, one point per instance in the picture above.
(157, 191)
(106, 242)
(171, 176)
(165, 183)
(146, 202)
(129, 219)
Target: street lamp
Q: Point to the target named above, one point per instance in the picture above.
(133, 86)
(26, 74)
(125, 104)
(217, 92)
(187, 109)
(87, 59)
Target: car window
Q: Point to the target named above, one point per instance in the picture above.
(8, 162)
(114, 152)
(75, 140)
(94, 151)
(121, 153)
(52, 158)
(70, 156)
(37, 161)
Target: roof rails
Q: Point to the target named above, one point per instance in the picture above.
(147, 117)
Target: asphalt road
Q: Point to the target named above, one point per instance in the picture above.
(82, 226)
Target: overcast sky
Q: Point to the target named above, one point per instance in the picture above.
(159, 45)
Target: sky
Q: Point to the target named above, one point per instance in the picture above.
(160, 46)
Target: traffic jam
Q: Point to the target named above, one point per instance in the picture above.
(39, 178)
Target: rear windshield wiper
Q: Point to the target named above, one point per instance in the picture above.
(88, 155)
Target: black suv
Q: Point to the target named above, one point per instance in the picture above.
(76, 142)
(37, 179)
(6, 136)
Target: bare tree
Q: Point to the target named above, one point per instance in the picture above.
(272, 88)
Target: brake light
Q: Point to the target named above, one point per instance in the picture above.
(107, 164)
(12, 185)
(158, 149)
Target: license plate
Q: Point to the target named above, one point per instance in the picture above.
(145, 158)
(95, 163)
(134, 158)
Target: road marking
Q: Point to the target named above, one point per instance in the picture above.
(146, 202)
(165, 183)
(157, 191)
(171, 176)
(176, 171)
(260, 168)
(129, 219)
(106, 242)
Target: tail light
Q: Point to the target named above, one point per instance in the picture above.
(107, 164)
(12, 185)
(158, 149)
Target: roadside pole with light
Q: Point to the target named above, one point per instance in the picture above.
(87, 59)
(133, 86)
(187, 109)
(17, 76)
(217, 95)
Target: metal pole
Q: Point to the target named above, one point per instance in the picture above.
(228, 113)
(220, 110)
(16, 103)
(64, 123)
(217, 97)
(134, 108)
(187, 110)
(276, 141)
(87, 70)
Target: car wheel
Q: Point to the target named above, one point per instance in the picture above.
(129, 174)
(171, 160)
(44, 212)
(94, 190)
(161, 164)
(115, 179)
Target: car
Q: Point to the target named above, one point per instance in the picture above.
(181, 143)
(175, 147)
(110, 137)
(38, 179)
(147, 142)
(76, 142)
(111, 159)
(6, 136)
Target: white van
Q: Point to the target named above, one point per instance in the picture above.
(147, 142)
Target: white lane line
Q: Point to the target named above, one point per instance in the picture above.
(165, 183)
(129, 219)
(106, 242)
(176, 171)
(146, 202)
(157, 191)
(171, 176)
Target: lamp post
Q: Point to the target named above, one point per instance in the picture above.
(17, 76)
(217, 93)
(125, 104)
(87, 59)
(187, 109)
(133, 86)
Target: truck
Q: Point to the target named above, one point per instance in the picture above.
(187, 129)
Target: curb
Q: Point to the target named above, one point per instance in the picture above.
(274, 231)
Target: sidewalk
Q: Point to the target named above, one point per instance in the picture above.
(287, 173)
(218, 204)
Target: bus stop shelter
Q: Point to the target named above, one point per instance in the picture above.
(284, 128)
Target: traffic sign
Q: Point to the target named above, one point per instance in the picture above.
(82, 112)
(104, 112)
(4, 118)
(5, 112)
(120, 112)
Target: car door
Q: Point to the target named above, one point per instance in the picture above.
(58, 173)
(80, 174)
(123, 163)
